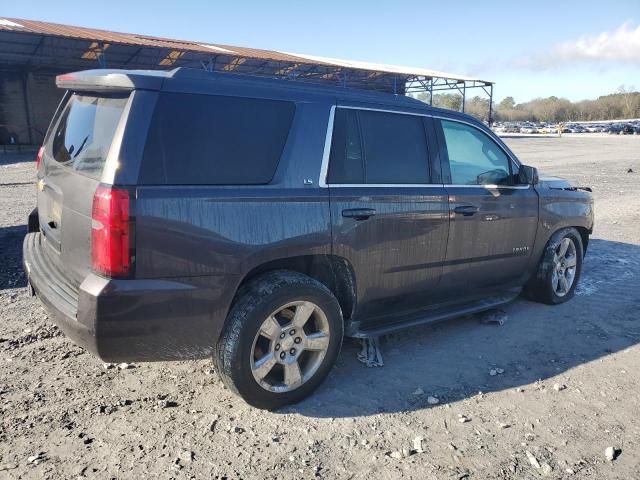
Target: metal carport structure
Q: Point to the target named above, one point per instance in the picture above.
(32, 50)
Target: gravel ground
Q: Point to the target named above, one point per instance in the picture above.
(544, 395)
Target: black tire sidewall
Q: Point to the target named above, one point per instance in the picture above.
(234, 352)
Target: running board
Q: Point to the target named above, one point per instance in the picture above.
(438, 315)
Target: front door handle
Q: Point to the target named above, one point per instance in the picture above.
(358, 213)
(466, 210)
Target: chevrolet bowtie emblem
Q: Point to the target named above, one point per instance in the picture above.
(41, 184)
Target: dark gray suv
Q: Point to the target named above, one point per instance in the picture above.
(187, 214)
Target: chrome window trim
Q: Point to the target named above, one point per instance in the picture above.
(378, 185)
(489, 187)
(425, 185)
(324, 167)
(351, 107)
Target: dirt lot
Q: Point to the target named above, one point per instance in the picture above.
(542, 396)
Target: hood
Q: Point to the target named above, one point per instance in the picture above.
(558, 183)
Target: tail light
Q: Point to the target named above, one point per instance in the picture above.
(110, 232)
(39, 158)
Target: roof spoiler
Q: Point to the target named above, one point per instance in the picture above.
(112, 80)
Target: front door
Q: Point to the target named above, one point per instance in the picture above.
(388, 220)
(493, 218)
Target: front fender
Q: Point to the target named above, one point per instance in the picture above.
(560, 207)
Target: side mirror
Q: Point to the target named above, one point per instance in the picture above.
(528, 175)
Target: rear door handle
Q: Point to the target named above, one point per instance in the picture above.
(358, 213)
(466, 210)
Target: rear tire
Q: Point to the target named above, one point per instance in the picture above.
(559, 270)
(280, 340)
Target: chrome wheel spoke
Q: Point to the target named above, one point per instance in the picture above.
(564, 284)
(292, 374)
(571, 261)
(262, 367)
(316, 341)
(270, 328)
(303, 313)
(564, 245)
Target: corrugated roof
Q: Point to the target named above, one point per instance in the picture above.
(110, 37)
(107, 36)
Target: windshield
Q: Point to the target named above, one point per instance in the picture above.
(83, 135)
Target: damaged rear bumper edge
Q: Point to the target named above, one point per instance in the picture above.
(129, 320)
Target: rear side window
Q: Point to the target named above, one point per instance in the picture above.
(215, 140)
(474, 158)
(371, 147)
(83, 135)
(346, 164)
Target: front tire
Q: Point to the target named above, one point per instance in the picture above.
(280, 340)
(560, 267)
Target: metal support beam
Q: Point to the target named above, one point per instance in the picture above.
(27, 105)
(490, 120)
(102, 58)
(130, 59)
(464, 95)
(431, 91)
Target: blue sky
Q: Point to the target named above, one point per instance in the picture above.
(575, 49)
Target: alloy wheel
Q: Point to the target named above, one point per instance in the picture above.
(290, 346)
(565, 262)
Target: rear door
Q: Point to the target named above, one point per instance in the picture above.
(74, 157)
(493, 218)
(389, 213)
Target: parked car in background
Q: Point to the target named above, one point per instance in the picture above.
(615, 129)
(161, 233)
(628, 129)
(529, 129)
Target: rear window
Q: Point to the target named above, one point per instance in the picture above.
(214, 140)
(83, 135)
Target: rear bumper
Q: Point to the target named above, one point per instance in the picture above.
(131, 320)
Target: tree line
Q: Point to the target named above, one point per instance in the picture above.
(625, 103)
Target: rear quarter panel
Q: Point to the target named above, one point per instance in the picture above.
(194, 231)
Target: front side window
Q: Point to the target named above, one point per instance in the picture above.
(474, 158)
(370, 147)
